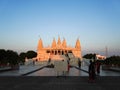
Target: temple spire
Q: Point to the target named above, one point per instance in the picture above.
(40, 44)
(53, 43)
(78, 46)
(59, 41)
(64, 44)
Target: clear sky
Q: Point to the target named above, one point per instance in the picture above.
(95, 22)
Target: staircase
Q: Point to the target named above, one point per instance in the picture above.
(58, 57)
(70, 55)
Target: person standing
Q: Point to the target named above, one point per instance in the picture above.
(79, 62)
(98, 67)
(91, 71)
(33, 62)
(68, 63)
(49, 60)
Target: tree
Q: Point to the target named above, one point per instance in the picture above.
(3, 56)
(113, 60)
(22, 57)
(90, 56)
(12, 57)
(31, 54)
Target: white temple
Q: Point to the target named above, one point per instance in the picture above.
(57, 49)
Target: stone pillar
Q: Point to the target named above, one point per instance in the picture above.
(54, 52)
(57, 52)
(64, 52)
(60, 52)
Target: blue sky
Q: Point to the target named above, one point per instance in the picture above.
(95, 22)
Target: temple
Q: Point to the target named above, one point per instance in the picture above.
(57, 49)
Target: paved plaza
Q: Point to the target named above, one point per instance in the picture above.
(41, 70)
(74, 71)
(39, 77)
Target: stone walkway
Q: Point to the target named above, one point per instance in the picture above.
(39, 70)
(75, 71)
(51, 72)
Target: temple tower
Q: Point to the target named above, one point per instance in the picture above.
(53, 43)
(59, 41)
(78, 46)
(59, 45)
(40, 44)
(77, 50)
(64, 44)
(41, 51)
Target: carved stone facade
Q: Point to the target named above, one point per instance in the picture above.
(57, 48)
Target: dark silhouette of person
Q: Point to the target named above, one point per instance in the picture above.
(91, 71)
(68, 65)
(98, 67)
(33, 62)
(79, 63)
(49, 60)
